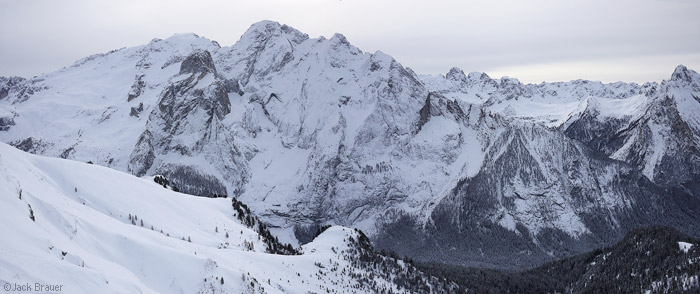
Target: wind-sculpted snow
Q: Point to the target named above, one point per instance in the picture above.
(312, 131)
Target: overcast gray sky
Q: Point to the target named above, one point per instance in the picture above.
(534, 41)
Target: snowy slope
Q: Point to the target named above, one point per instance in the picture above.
(81, 237)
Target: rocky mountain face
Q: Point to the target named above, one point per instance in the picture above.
(563, 180)
(187, 122)
(460, 168)
(660, 139)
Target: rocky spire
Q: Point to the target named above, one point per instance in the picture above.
(199, 61)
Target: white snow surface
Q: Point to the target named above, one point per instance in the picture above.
(82, 237)
(684, 246)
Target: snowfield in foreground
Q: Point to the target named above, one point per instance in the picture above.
(96, 230)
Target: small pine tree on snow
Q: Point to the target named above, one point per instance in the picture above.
(142, 223)
(216, 229)
(226, 234)
(31, 213)
(188, 239)
(222, 280)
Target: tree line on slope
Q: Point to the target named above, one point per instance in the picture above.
(647, 260)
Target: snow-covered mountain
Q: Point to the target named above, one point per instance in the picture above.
(91, 229)
(315, 131)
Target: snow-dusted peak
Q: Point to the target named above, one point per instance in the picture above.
(339, 39)
(264, 48)
(186, 39)
(341, 44)
(682, 73)
(380, 60)
(267, 29)
(198, 62)
(478, 76)
(456, 74)
(381, 56)
(510, 81)
(177, 45)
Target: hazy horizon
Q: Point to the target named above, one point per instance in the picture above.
(533, 41)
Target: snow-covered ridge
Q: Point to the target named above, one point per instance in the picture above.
(96, 230)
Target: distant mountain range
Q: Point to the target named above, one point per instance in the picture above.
(460, 168)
